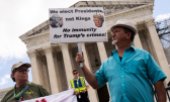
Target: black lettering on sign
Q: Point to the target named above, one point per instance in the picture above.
(96, 34)
(83, 18)
(57, 36)
(53, 11)
(70, 19)
(66, 30)
(66, 11)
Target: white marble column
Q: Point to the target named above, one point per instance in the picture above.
(158, 47)
(102, 51)
(36, 74)
(92, 93)
(67, 63)
(137, 41)
(53, 76)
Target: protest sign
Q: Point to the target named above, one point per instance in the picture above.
(77, 25)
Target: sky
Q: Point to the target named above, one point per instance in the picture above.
(19, 16)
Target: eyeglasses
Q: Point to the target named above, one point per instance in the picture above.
(22, 70)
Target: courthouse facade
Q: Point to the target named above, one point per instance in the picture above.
(52, 64)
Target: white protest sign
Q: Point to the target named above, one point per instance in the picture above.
(77, 25)
(65, 96)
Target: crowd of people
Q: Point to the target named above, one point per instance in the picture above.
(132, 74)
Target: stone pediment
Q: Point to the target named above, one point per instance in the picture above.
(43, 27)
(113, 6)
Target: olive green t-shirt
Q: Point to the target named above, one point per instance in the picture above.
(33, 91)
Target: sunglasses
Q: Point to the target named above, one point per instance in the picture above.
(75, 73)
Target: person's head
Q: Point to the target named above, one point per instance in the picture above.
(19, 72)
(123, 31)
(75, 73)
(98, 20)
(56, 21)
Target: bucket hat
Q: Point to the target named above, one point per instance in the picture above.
(125, 23)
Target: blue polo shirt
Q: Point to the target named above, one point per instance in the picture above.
(131, 78)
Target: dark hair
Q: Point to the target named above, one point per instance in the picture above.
(13, 79)
(75, 70)
(12, 74)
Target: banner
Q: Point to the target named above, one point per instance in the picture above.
(65, 96)
(77, 25)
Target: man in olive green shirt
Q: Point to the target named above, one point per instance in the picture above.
(23, 90)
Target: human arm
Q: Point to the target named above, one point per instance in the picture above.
(40, 90)
(43, 92)
(90, 77)
(9, 96)
(160, 91)
(4, 99)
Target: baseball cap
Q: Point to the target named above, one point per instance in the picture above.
(19, 64)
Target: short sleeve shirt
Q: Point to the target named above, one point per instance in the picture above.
(130, 79)
(34, 91)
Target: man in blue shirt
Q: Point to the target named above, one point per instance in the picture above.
(130, 72)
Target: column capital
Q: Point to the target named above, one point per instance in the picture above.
(48, 49)
(149, 22)
(31, 53)
(63, 45)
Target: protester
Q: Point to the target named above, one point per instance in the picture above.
(80, 87)
(23, 90)
(132, 74)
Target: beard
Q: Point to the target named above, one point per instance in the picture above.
(114, 42)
